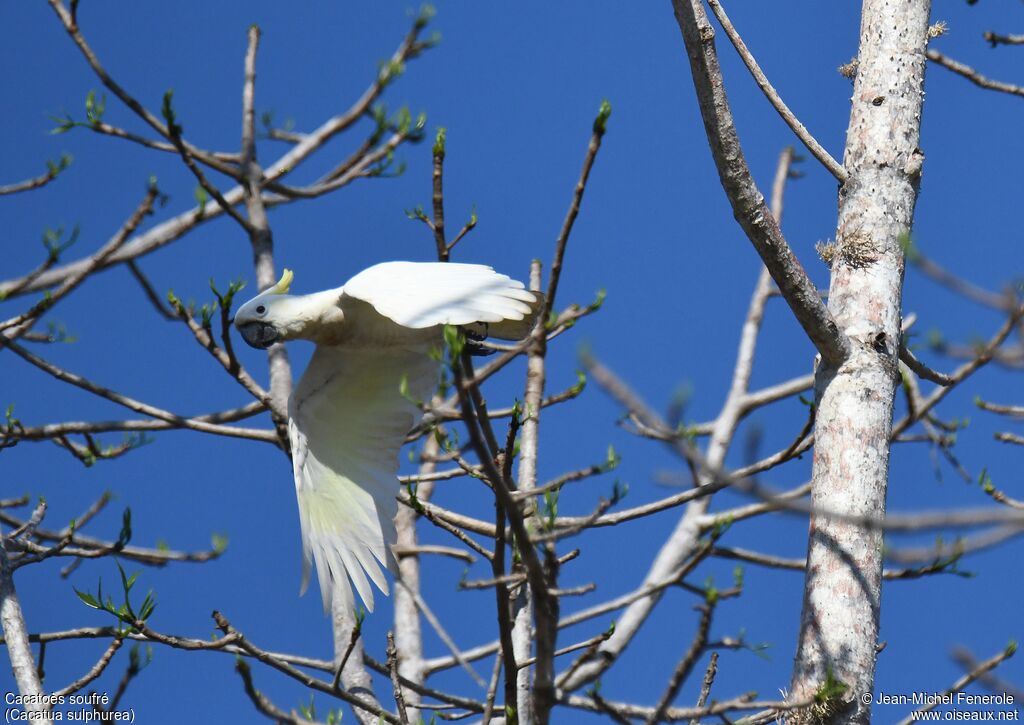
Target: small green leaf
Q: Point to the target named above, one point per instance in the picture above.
(94, 107)
(612, 460)
(831, 688)
(126, 530)
(201, 198)
(88, 599)
(601, 121)
(416, 213)
(910, 251)
(53, 168)
(167, 110)
(64, 124)
(721, 525)
(455, 340)
(219, 542)
(439, 142)
(426, 14)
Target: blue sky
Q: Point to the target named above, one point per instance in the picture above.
(517, 89)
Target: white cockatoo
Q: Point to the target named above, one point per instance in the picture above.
(349, 414)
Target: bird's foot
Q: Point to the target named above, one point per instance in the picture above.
(474, 341)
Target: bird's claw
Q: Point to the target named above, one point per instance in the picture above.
(474, 340)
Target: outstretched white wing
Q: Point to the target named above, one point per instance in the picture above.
(419, 295)
(347, 422)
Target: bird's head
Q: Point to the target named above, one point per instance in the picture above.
(263, 320)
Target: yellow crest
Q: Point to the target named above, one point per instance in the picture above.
(283, 284)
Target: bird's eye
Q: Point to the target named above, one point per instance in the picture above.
(261, 310)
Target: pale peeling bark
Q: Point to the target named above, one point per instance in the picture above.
(522, 648)
(354, 676)
(840, 620)
(15, 632)
(408, 627)
(523, 632)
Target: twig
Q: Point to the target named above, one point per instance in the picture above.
(429, 615)
(450, 522)
(1016, 411)
(492, 691)
(972, 75)
(585, 644)
(264, 703)
(135, 405)
(37, 181)
(226, 358)
(979, 670)
(92, 548)
(174, 133)
(435, 475)
(229, 644)
(403, 715)
(403, 551)
(933, 270)
(963, 372)
(437, 176)
(95, 671)
(922, 370)
(54, 430)
(22, 322)
(352, 640)
(130, 673)
(686, 663)
(705, 688)
(747, 202)
(174, 228)
(236, 637)
(812, 145)
(777, 562)
(994, 684)
(995, 39)
(557, 483)
(683, 545)
(773, 393)
(150, 293)
(741, 703)
(71, 26)
(644, 590)
(600, 125)
(502, 598)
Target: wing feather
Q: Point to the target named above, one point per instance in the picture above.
(425, 294)
(347, 423)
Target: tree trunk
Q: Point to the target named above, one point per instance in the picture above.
(840, 620)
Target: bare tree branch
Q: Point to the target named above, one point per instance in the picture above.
(972, 75)
(16, 638)
(975, 673)
(747, 202)
(995, 39)
(52, 172)
(812, 145)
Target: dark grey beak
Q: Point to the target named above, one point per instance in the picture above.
(258, 334)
